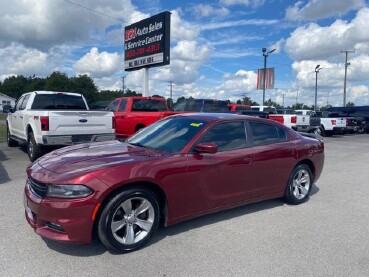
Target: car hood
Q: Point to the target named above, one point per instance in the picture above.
(95, 156)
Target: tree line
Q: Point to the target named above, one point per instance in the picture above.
(15, 86)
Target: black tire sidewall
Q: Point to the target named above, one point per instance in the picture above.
(289, 196)
(105, 219)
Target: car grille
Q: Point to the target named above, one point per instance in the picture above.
(36, 188)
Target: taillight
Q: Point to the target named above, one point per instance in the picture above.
(293, 119)
(333, 121)
(347, 122)
(279, 119)
(113, 122)
(44, 123)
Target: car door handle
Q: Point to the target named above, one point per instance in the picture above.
(247, 160)
(21, 117)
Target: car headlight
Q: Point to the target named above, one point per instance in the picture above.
(68, 191)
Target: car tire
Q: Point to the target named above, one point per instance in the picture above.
(322, 131)
(33, 149)
(299, 185)
(11, 142)
(129, 219)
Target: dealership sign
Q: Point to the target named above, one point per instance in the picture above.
(147, 42)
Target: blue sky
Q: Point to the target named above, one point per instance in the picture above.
(215, 46)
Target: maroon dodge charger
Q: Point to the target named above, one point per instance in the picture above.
(176, 169)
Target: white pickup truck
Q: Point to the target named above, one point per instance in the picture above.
(329, 125)
(289, 118)
(47, 118)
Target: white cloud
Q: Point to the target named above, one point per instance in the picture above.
(202, 10)
(253, 3)
(181, 29)
(186, 58)
(18, 60)
(98, 64)
(316, 9)
(43, 24)
(316, 42)
(244, 22)
(242, 81)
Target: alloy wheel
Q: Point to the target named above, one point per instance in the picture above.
(301, 184)
(132, 220)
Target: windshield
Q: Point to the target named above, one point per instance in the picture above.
(171, 134)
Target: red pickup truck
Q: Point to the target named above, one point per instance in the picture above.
(136, 112)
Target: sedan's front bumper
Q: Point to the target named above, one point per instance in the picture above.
(65, 220)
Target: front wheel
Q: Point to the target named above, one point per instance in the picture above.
(129, 220)
(299, 185)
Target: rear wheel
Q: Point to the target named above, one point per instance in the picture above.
(299, 185)
(33, 149)
(11, 142)
(129, 220)
(322, 131)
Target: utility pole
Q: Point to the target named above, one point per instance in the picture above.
(123, 83)
(346, 65)
(317, 68)
(265, 54)
(328, 98)
(171, 89)
(283, 100)
(297, 95)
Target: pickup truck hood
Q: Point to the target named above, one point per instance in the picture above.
(95, 156)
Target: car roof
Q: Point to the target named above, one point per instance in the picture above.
(222, 116)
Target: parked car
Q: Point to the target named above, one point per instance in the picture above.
(296, 121)
(178, 168)
(268, 109)
(202, 105)
(7, 108)
(238, 108)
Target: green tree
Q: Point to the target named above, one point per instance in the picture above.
(248, 101)
(84, 85)
(58, 81)
(14, 86)
(350, 104)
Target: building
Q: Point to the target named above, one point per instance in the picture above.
(6, 100)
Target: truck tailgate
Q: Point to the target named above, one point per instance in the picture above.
(302, 120)
(80, 122)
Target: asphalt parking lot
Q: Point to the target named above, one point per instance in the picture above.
(327, 236)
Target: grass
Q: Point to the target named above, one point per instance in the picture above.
(2, 133)
(3, 127)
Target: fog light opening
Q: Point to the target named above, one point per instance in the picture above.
(55, 227)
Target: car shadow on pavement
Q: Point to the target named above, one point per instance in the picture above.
(4, 177)
(97, 248)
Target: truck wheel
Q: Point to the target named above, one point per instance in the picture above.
(11, 142)
(33, 149)
(129, 220)
(322, 131)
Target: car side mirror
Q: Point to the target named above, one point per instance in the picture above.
(210, 148)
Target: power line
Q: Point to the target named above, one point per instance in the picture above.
(92, 10)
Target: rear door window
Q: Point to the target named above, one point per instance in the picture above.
(267, 134)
